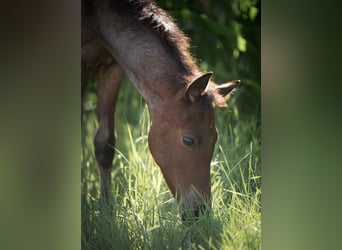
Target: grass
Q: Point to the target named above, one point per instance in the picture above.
(144, 214)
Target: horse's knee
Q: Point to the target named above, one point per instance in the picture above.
(104, 150)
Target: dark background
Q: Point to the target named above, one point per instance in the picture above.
(225, 38)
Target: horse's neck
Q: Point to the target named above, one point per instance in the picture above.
(153, 70)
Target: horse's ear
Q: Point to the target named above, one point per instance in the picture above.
(226, 88)
(197, 87)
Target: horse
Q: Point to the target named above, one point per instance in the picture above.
(139, 39)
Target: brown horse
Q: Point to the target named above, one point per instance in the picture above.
(139, 39)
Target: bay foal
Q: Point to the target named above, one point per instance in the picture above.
(139, 39)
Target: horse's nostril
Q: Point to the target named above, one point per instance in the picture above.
(194, 214)
(200, 210)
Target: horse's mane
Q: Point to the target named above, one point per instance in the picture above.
(172, 38)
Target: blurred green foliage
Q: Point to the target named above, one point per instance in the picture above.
(225, 38)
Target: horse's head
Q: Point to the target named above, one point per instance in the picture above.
(182, 139)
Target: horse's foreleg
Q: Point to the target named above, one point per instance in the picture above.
(108, 84)
(84, 78)
(84, 82)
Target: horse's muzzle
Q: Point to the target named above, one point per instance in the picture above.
(193, 207)
(195, 213)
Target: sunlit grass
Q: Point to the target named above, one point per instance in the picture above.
(144, 214)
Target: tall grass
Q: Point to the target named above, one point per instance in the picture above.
(143, 214)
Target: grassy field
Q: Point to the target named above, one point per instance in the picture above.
(144, 214)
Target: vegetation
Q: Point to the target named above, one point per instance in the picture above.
(226, 37)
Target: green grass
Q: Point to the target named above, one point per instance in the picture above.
(144, 214)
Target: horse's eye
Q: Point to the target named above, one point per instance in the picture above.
(189, 142)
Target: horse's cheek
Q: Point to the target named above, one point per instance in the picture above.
(155, 148)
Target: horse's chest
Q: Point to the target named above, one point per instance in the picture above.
(95, 55)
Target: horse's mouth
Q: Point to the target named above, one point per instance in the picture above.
(194, 213)
(193, 206)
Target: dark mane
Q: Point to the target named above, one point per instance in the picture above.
(173, 39)
(175, 42)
